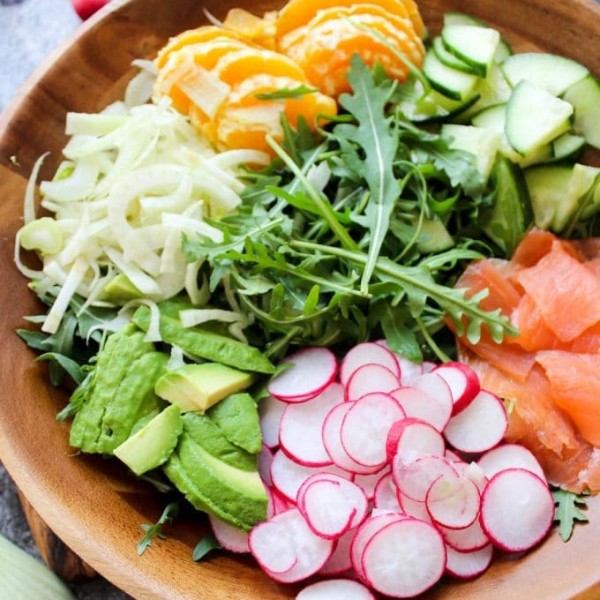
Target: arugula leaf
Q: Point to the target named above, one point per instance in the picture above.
(285, 93)
(155, 530)
(207, 544)
(70, 366)
(567, 512)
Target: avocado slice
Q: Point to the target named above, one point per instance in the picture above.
(237, 417)
(121, 289)
(152, 445)
(198, 386)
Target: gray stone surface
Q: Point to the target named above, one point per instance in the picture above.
(29, 31)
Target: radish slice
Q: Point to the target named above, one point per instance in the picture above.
(386, 494)
(270, 411)
(288, 475)
(480, 426)
(517, 509)
(336, 588)
(466, 565)
(415, 478)
(411, 438)
(509, 456)
(453, 501)
(462, 381)
(365, 354)
(287, 549)
(404, 559)
(369, 482)
(365, 428)
(364, 534)
(369, 379)
(333, 442)
(332, 505)
(339, 562)
(301, 425)
(312, 370)
(413, 508)
(419, 404)
(470, 538)
(229, 537)
(408, 369)
(278, 503)
(265, 460)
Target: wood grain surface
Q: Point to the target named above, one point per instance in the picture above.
(92, 504)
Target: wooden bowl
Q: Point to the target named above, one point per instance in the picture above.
(91, 503)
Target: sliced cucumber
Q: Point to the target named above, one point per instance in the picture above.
(492, 90)
(567, 147)
(448, 81)
(433, 237)
(535, 117)
(449, 59)
(494, 119)
(549, 71)
(585, 98)
(458, 18)
(510, 215)
(475, 46)
(547, 186)
(434, 107)
(482, 143)
(583, 187)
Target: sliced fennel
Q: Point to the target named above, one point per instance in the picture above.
(135, 179)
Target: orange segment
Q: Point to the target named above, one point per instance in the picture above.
(261, 31)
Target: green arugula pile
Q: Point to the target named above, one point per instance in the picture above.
(330, 245)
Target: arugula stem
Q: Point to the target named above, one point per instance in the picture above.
(442, 356)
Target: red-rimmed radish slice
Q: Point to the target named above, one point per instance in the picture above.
(418, 404)
(366, 425)
(466, 565)
(265, 460)
(412, 438)
(269, 543)
(462, 381)
(408, 369)
(370, 379)
(415, 478)
(333, 442)
(364, 534)
(278, 503)
(301, 424)
(229, 537)
(517, 510)
(465, 540)
(473, 471)
(275, 542)
(452, 456)
(332, 505)
(364, 354)
(404, 558)
(413, 508)
(339, 562)
(331, 589)
(270, 410)
(312, 370)
(287, 475)
(386, 494)
(369, 482)
(509, 456)
(427, 366)
(453, 501)
(479, 427)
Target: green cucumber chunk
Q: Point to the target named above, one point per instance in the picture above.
(568, 147)
(584, 96)
(450, 82)
(449, 59)
(476, 46)
(535, 117)
(551, 72)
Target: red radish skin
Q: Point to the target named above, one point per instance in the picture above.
(339, 562)
(278, 503)
(517, 510)
(229, 537)
(86, 8)
(333, 442)
(270, 411)
(404, 559)
(301, 424)
(467, 565)
(479, 427)
(411, 438)
(369, 379)
(509, 456)
(336, 588)
(413, 508)
(369, 482)
(288, 534)
(312, 370)
(332, 505)
(453, 501)
(364, 354)
(462, 381)
(465, 540)
(265, 460)
(408, 369)
(365, 428)
(418, 404)
(415, 478)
